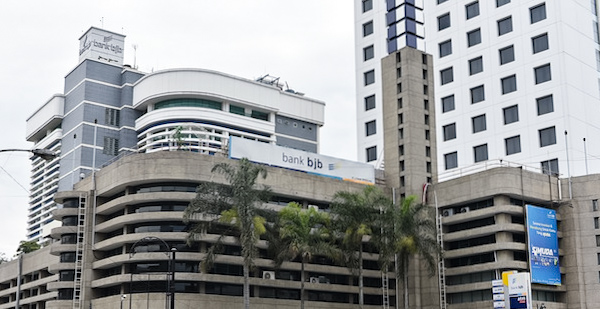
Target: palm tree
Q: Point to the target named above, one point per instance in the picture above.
(353, 215)
(404, 232)
(303, 234)
(235, 206)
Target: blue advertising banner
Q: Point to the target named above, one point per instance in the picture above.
(543, 245)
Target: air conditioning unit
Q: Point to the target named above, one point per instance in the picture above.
(315, 207)
(269, 275)
(314, 279)
(448, 212)
(464, 209)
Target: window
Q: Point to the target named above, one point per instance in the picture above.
(401, 150)
(478, 123)
(444, 21)
(426, 104)
(550, 167)
(475, 65)
(598, 257)
(445, 48)
(547, 136)
(427, 151)
(448, 103)
(597, 240)
(398, 72)
(238, 110)
(537, 13)
(511, 114)
(596, 223)
(507, 54)
(425, 74)
(474, 37)
(367, 28)
(542, 74)
(480, 153)
(594, 205)
(427, 134)
(509, 84)
(447, 75)
(449, 131)
(513, 145)
(367, 5)
(369, 102)
(399, 88)
(369, 77)
(545, 105)
(540, 43)
(472, 9)
(368, 53)
(112, 117)
(400, 118)
(441, 1)
(399, 103)
(426, 120)
(477, 94)
(371, 153)
(451, 160)
(370, 128)
(111, 146)
(500, 3)
(504, 26)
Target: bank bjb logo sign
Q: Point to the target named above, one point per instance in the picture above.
(313, 163)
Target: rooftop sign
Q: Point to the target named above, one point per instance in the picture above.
(101, 45)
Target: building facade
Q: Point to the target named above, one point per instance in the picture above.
(109, 108)
(514, 80)
(94, 263)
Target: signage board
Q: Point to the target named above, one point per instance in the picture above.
(543, 245)
(299, 160)
(101, 45)
(519, 291)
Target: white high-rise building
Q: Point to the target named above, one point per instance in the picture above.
(380, 27)
(515, 81)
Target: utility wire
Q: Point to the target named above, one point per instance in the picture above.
(13, 178)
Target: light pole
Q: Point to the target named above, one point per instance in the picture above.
(122, 299)
(173, 250)
(152, 239)
(45, 154)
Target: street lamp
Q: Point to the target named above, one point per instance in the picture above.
(122, 299)
(170, 288)
(42, 153)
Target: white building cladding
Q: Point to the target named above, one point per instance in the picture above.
(511, 78)
(380, 27)
(108, 109)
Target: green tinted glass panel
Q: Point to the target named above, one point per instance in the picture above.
(188, 103)
(260, 115)
(236, 110)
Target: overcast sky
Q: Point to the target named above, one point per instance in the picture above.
(308, 44)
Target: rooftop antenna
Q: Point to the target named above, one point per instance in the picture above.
(102, 22)
(135, 56)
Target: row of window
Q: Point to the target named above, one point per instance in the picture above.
(542, 74)
(505, 25)
(506, 54)
(512, 144)
(499, 3)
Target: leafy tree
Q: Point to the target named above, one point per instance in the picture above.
(28, 246)
(406, 230)
(3, 258)
(234, 206)
(354, 214)
(303, 234)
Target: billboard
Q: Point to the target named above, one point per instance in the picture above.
(299, 160)
(543, 245)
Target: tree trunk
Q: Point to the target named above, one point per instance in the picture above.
(246, 287)
(361, 298)
(405, 285)
(302, 278)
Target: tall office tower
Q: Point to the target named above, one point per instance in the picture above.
(516, 81)
(109, 109)
(380, 28)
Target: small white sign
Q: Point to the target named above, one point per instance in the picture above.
(498, 290)
(498, 297)
(497, 282)
(499, 304)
